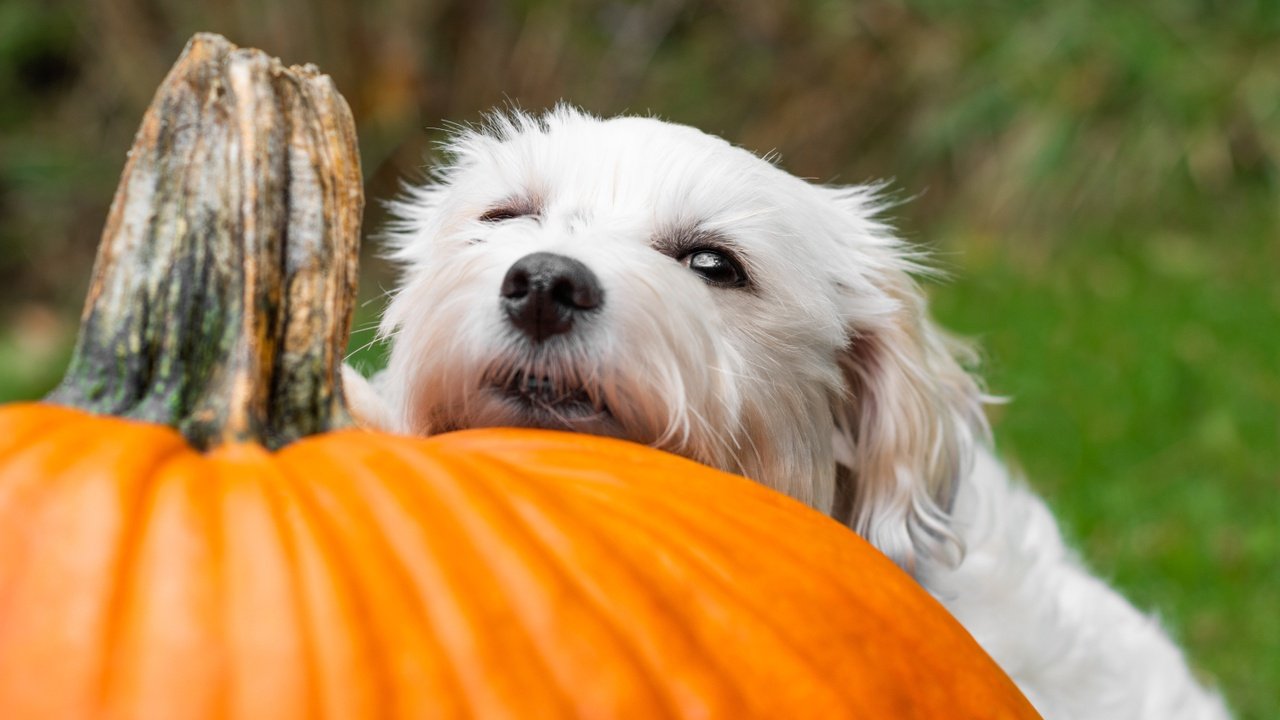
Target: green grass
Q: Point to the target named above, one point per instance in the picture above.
(28, 372)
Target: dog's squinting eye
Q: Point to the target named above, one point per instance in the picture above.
(716, 268)
(499, 214)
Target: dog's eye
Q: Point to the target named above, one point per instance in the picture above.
(716, 268)
(499, 214)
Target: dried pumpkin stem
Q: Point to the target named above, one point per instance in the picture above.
(222, 292)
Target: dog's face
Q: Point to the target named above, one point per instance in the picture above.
(643, 280)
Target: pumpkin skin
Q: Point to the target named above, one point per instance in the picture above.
(487, 573)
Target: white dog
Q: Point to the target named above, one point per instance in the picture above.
(635, 278)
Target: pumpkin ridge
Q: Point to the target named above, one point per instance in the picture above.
(277, 502)
(46, 417)
(762, 520)
(756, 524)
(217, 546)
(906, 593)
(534, 550)
(20, 495)
(557, 512)
(46, 454)
(158, 628)
(707, 569)
(357, 520)
(600, 487)
(133, 520)
(798, 566)
(374, 645)
(424, 495)
(309, 522)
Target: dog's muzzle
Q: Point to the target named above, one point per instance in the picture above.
(543, 294)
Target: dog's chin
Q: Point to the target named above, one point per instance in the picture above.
(536, 404)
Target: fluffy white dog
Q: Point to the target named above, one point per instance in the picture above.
(644, 280)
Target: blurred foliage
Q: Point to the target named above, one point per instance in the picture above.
(1103, 179)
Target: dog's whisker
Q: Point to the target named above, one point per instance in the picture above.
(360, 349)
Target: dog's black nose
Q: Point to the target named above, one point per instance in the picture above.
(543, 293)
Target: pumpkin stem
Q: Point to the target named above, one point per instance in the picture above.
(221, 297)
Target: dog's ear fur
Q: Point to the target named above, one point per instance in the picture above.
(910, 414)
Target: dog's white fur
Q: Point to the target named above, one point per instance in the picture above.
(824, 377)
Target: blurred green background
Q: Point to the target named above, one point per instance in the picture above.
(1102, 182)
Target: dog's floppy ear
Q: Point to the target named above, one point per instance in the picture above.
(910, 414)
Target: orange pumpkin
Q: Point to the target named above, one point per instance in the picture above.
(202, 561)
(496, 573)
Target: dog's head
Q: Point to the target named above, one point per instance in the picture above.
(635, 278)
